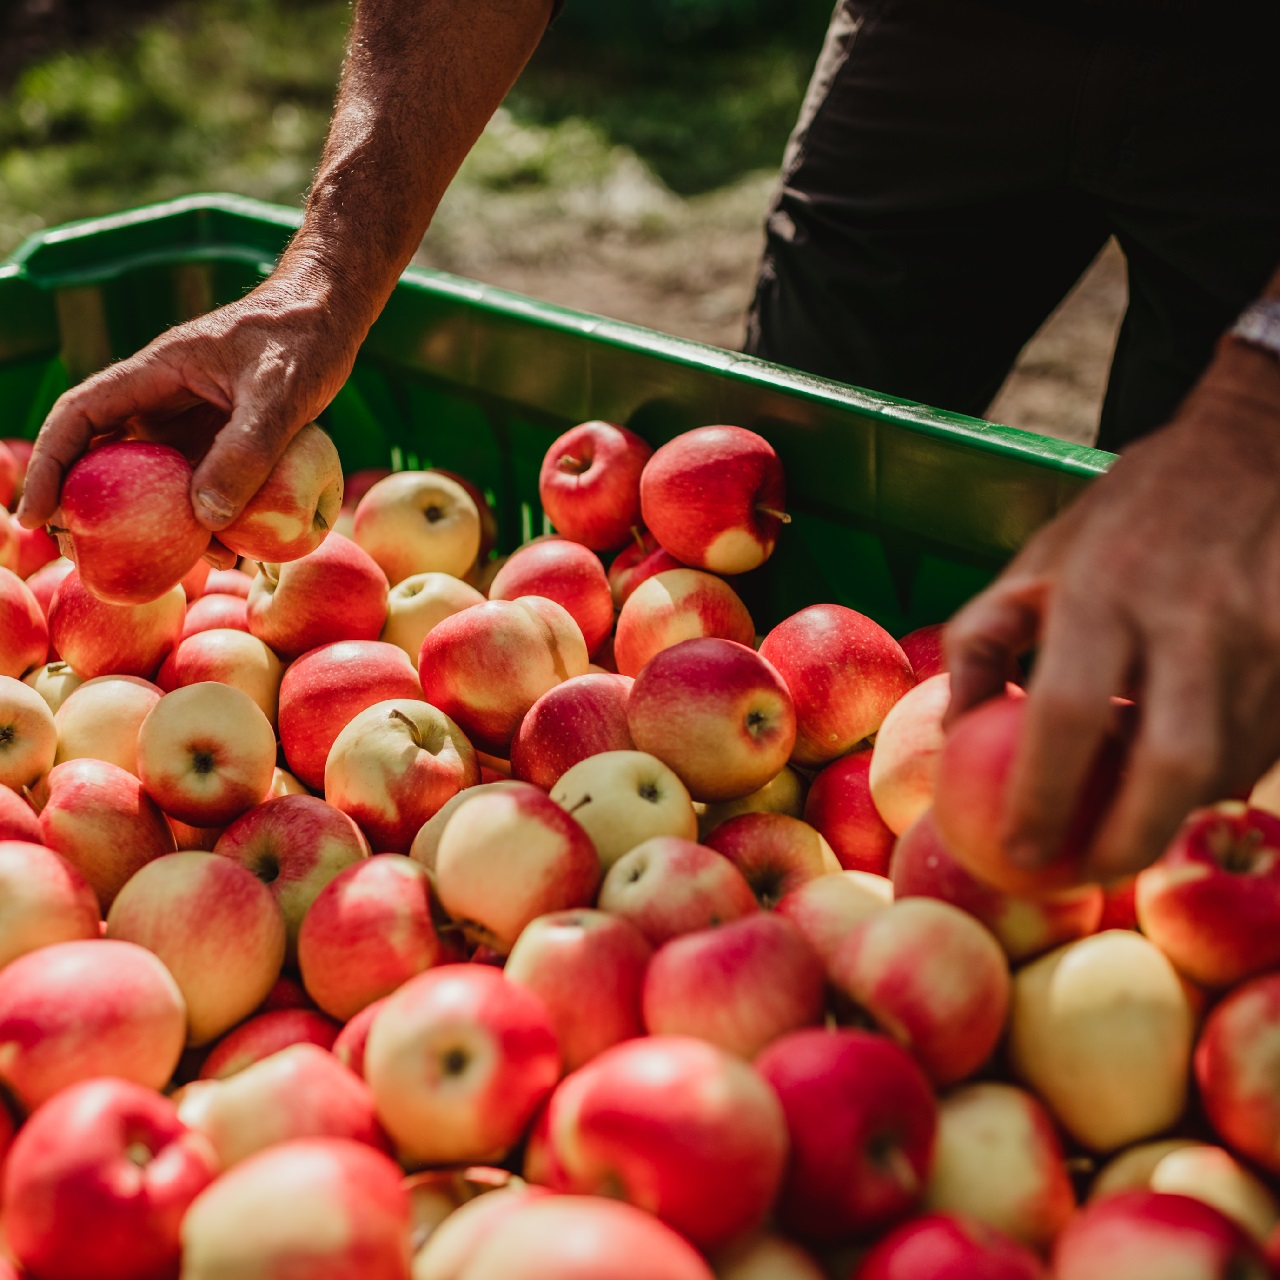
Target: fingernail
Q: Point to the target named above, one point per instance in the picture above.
(212, 506)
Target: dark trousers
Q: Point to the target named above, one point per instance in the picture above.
(958, 164)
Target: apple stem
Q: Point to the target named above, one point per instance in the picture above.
(54, 529)
(573, 466)
(781, 516)
(638, 535)
(576, 807)
(414, 732)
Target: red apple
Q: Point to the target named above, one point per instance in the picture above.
(925, 651)
(9, 528)
(353, 1039)
(127, 522)
(13, 467)
(840, 808)
(18, 821)
(714, 498)
(210, 611)
(101, 717)
(44, 581)
(24, 633)
(905, 758)
(228, 582)
(826, 908)
(942, 1246)
(566, 572)
(589, 484)
(100, 639)
(418, 522)
(635, 564)
(776, 853)
(35, 550)
(582, 717)
(43, 900)
(230, 657)
(355, 484)
(97, 1183)
(28, 735)
(264, 1035)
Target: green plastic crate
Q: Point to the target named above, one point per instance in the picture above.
(900, 511)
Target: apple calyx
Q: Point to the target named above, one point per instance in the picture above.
(434, 513)
(1243, 854)
(885, 1151)
(138, 1153)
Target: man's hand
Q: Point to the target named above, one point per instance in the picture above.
(1161, 583)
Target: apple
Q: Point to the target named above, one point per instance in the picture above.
(353, 1039)
(100, 639)
(325, 689)
(43, 582)
(623, 798)
(840, 808)
(216, 927)
(35, 549)
(394, 765)
(98, 817)
(368, 932)
(12, 470)
(75, 1010)
(486, 666)
(588, 969)
(336, 592)
(589, 484)
(264, 1035)
(228, 582)
(418, 522)
(28, 735)
(998, 1160)
(566, 572)
(295, 845)
(1150, 1235)
(677, 1126)
(581, 717)
(942, 1246)
(458, 1059)
(100, 720)
(673, 605)
(355, 484)
(783, 793)
(844, 673)
(210, 611)
(768, 1256)
(18, 821)
(905, 757)
(127, 522)
(717, 713)
(445, 1244)
(1101, 1030)
(98, 1180)
(24, 633)
(1211, 900)
(295, 508)
(638, 563)
(43, 900)
(933, 978)
(713, 497)
(739, 985)
(230, 657)
(9, 528)
(922, 866)
(195, 580)
(826, 908)
(323, 1208)
(925, 651)
(55, 682)
(667, 886)
(775, 853)
(421, 600)
(508, 857)
(427, 842)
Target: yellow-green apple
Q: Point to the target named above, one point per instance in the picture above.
(1152, 1235)
(844, 672)
(923, 866)
(229, 657)
(415, 605)
(75, 1010)
(635, 563)
(24, 633)
(295, 845)
(458, 1059)
(588, 969)
(998, 1160)
(352, 1040)
(206, 754)
(933, 978)
(674, 1125)
(581, 1238)
(228, 582)
(368, 932)
(623, 798)
(589, 484)
(768, 1256)
(1210, 902)
(295, 508)
(265, 1034)
(924, 650)
(210, 611)
(905, 757)
(580, 718)
(43, 900)
(126, 520)
(509, 856)
(566, 572)
(942, 1246)
(667, 886)
(714, 498)
(394, 765)
(98, 1180)
(337, 592)
(100, 639)
(739, 985)
(18, 820)
(486, 666)
(826, 908)
(101, 718)
(861, 1118)
(100, 819)
(35, 550)
(674, 605)
(283, 783)
(324, 690)
(418, 522)
(323, 1208)
(783, 793)
(55, 682)
(28, 735)
(1101, 1030)
(216, 927)
(717, 713)
(840, 807)
(427, 842)
(775, 853)
(301, 1092)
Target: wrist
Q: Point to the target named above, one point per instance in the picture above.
(1243, 372)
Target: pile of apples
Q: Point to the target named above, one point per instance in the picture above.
(390, 908)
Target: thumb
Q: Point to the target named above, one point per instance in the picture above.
(239, 462)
